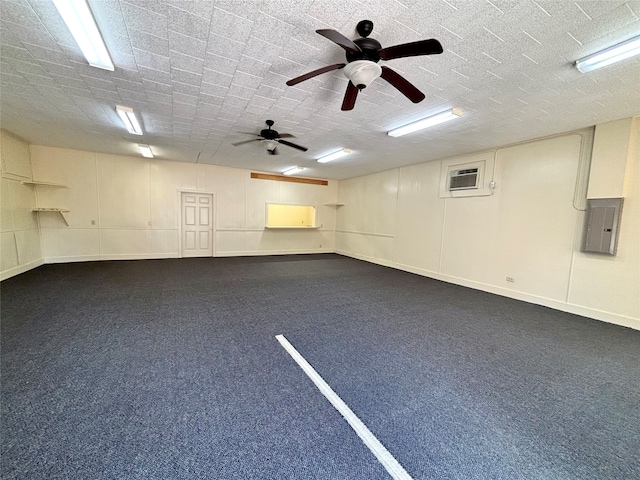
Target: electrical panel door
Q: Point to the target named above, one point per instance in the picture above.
(602, 225)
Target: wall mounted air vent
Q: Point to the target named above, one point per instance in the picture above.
(463, 179)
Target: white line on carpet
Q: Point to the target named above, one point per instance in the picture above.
(382, 454)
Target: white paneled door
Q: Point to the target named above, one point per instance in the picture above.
(197, 225)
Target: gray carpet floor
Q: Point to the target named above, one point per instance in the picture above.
(169, 369)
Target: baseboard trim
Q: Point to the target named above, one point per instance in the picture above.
(595, 314)
(124, 256)
(151, 256)
(256, 253)
(12, 272)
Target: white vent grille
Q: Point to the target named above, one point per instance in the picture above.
(464, 179)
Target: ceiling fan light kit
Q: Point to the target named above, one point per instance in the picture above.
(270, 145)
(362, 72)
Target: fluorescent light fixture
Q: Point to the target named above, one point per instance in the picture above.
(77, 15)
(426, 122)
(145, 150)
(609, 55)
(293, 170)
(334, 155)
(129, 119)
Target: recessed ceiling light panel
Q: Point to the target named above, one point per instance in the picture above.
(334, 155)
(80, 22)
(129, 119)
(610, 55)
(293, 171)
(145, 150)
(426, 122)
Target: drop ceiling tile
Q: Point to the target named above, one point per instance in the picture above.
(121, 83)
(187, 23)
(76, 91)
(253, 66)
(183, 76)
(151, 86)
(108, 95)
(247, 79)
(39, 53)
(154, 75)
(208, 110)
(186, 89)
(184, 110)
(187, 63)
(216, 78)
(227, 24)
(212, 89)
(220, 64)
(187, 44)
(240, 91)
(261, 50)
(224, 47)
(129, 96)
(91, 82)
(145, 19)
(187, 99)
(158, 43)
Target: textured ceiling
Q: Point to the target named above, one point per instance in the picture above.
(199, 72)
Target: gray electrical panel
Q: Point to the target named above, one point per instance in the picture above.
(602, 225)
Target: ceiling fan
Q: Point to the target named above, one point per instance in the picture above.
(363, 55)
(271, 138)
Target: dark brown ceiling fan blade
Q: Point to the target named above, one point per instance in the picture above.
(286, 135)
(339, 39)
(284, 142)
(406, 88)
(247, 141)
(350, 97)
(422, 47)
(314, 73)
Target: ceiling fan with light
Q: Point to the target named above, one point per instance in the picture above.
(271, 138)
(363, 55)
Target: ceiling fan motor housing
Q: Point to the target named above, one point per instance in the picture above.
(269, 134)
(369, 50)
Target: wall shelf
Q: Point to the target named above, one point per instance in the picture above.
(43, 184)
(61, 211)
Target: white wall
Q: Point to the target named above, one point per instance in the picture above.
(601, 282)
(19, 235)
(124, 207)
(530, 228)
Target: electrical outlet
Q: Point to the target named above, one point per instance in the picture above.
(510, 279)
